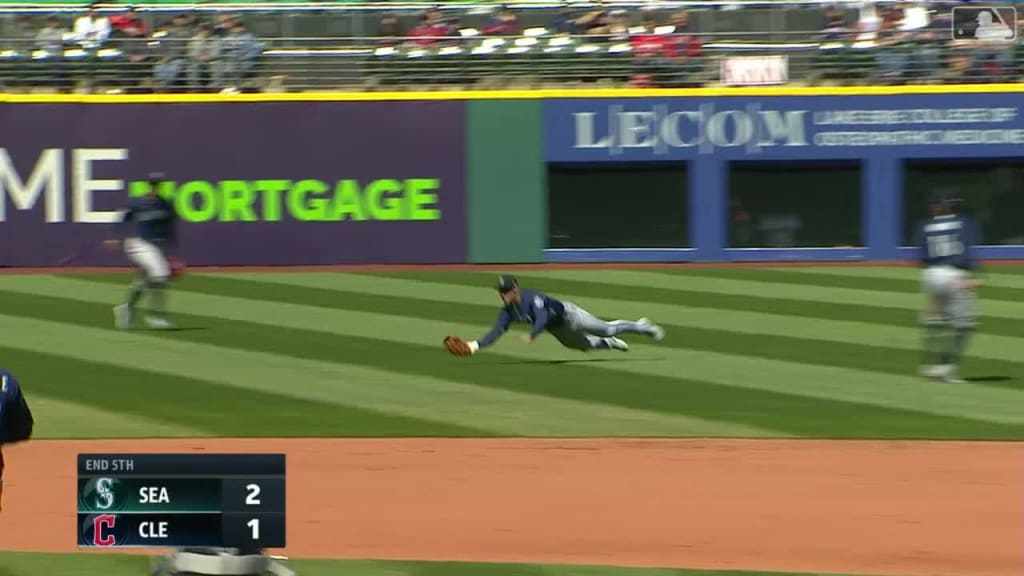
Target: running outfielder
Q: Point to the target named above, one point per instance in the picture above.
(946, 242)
(571, 325)
(150, 227)
(16, 420)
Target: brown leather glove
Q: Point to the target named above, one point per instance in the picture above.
(457, 346)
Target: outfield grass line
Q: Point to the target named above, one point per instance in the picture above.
(766, 289)
(912, 275)
(568, 379)
(854, 386)
(424, 398)
(908, 338)
(57, 418)
(583, 291)
(214, 407)
(136, 564)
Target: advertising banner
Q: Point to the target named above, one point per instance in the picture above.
(281, 183)
(785, 127)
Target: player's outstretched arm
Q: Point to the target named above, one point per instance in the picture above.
(540, 322)
(501, 325)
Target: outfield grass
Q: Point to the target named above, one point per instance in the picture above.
(801, 352)
(24, 564)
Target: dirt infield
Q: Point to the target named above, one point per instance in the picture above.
(858, 507)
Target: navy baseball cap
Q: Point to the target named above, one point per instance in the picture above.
(506, 283)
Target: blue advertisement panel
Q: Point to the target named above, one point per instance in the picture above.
(785, 127)
(800, 177)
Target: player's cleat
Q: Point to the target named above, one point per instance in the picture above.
(656, 332)
(617, 344)
(122, 317)
(950, 375)
(931, 371)
(157, 323)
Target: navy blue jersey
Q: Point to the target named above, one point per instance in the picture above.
(948, 241)
(15, 416)
(153, 220)
(535, 308)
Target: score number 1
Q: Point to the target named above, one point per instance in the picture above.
(253, 500)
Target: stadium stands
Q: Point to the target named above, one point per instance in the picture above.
(294, 45)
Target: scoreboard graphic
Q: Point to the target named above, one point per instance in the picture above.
(181, 500)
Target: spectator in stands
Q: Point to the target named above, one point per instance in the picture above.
(224, 25)
(890, 45)
(835, 27)
(129, 32)
(618, 25)
(689, 50)
(128, 24)
(50, 37)
(927, 45)
(506, 23)
(204, 68)
(565, 21)
(171, 52)
(650, 54)
(594, 22)
(389, 31)
(92, 30)
(241, 50)
(432, 29)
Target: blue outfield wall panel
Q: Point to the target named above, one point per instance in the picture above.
(882, 131)
(984, 252)
(566, 255)
(709, 198)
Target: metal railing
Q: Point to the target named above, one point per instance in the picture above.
(286, 19)
(500, 63)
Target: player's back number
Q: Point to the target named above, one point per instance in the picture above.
(944, 245)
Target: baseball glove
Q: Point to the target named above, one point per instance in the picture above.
(457, 346)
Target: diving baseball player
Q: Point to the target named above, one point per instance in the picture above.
(16, 420)
(946, 242)
(571, 325)
(150, 228)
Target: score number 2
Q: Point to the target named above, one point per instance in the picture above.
(254, 492)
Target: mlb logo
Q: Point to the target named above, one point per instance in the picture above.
(985, 23)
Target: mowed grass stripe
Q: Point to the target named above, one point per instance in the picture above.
(477, 306)
(908, 394)
(471, 304)
(264, 358)
(995, 276)
(664, 394)
(60, 418)
(820, 309)
(994, 294)
(802, 415)
(119, 373)
(790, 289)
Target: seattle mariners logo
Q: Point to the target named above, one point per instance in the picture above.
(104, 495)
(100, 495)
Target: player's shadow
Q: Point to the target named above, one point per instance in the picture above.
(572, 361)
(986, 379)
(176, 329)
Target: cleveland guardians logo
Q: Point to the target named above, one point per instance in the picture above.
(100, 525)
(101, 495)
(99, 530)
